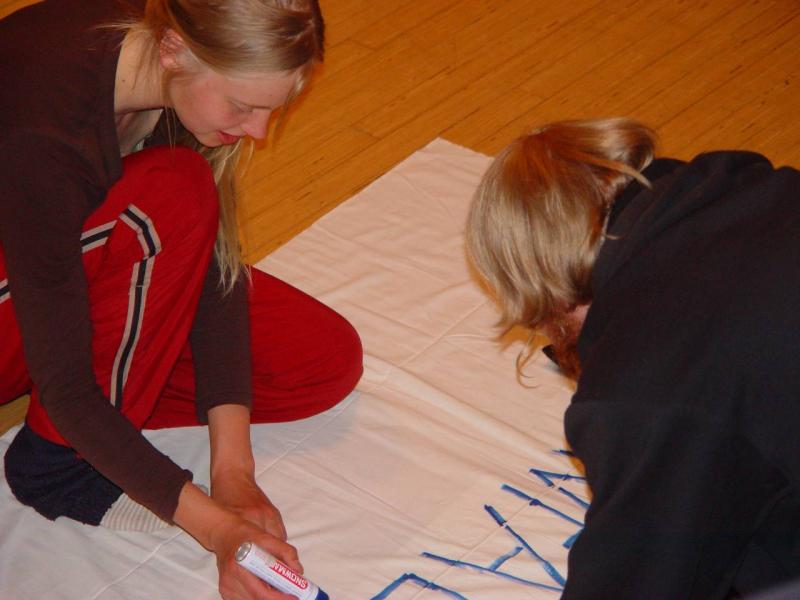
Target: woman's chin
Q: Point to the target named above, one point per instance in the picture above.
(209, 140)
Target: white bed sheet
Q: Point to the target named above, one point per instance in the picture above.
(396, 491)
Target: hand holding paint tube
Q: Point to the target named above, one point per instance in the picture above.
(269, 569)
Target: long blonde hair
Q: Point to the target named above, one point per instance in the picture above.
(537, 219)
(243, 37)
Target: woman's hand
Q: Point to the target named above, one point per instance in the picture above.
(239, 492)
(250, 514)
(235, 582)
(233, 481)
(222, 531)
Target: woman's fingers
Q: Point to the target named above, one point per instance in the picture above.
(235, 579)
(236, 583)
(284, 552)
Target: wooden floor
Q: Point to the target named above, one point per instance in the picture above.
(707, 74)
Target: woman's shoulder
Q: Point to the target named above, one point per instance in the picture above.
(74, 13)
(58, 76)
(733, 164)
(56, 56)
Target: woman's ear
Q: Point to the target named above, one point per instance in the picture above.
(172, 51)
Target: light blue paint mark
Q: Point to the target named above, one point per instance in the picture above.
(535, 502)
(497, 563)
(548, 476)
(414, 578)
(461, 563)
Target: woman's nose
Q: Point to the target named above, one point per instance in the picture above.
(256, 123)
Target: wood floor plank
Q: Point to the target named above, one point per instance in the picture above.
(609, 63)
(679, 72)
(13, 413)
(725, 115)
(471, 62)
(402, 21)
(345, 18)
(9, 6)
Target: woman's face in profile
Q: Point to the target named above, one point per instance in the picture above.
(220, 109)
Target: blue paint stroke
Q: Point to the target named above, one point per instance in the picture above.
(546, 476)
(461, 563)
(546, 565)
(534, 502)
(495, 515)
(579, 501)
(564, 452)
(413, 577)
(497, 563)
(571, 540)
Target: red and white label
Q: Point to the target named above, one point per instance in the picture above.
(285, 572)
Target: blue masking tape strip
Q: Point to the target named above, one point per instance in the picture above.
(579, 501)
(420, 581)
(535, 502)
(564, 452)
(498, 562)
(495, 515)
(571, 540)
(547, 475)
(546, 565)
(461, 563)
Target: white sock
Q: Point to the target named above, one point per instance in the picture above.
(128, 515)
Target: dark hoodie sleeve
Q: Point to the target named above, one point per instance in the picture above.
(675, 500)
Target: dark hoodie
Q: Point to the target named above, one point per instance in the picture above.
(686, 411)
